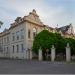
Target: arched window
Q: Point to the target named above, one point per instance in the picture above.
(34, 32)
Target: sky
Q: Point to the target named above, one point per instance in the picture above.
(51, 12)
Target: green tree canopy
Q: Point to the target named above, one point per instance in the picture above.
(1, 23)
(43, 40)
(46, 39)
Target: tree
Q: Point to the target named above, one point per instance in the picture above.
(44, 40)
(59, 43)
(1, 23)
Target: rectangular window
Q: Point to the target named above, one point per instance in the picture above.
(7, 50)
(7, 39)
(13, 36)
(22, 33)
(17, 48)
(13, 48)
(29, 33)
(22, 47)
(4, 50)
(17, 35)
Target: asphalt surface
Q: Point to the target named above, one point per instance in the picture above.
(35, 67)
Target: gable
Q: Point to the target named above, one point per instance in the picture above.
(70, 30)
(33, 17)
(66, 29)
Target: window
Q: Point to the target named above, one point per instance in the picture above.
(7, 39)
(22, 47)
(13, 48)
(13, 36)
(17, 48)
(7, 49)
(22, 33)
(17, 35)
(4, 49)
(28, 33)
(34, 32)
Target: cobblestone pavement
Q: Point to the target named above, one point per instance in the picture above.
(35, 67)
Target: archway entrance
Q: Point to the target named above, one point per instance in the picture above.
(46, 54)
(60, 55)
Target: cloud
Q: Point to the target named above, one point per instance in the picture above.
(51, 12)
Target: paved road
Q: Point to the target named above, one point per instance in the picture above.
(35, 67)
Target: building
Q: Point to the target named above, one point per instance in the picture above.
(66, 31)
(17, 41)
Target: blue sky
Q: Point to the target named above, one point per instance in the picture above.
(51, 12)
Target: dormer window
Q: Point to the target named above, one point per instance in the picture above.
(18, 19)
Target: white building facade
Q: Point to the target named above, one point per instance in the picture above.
(17, 41)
